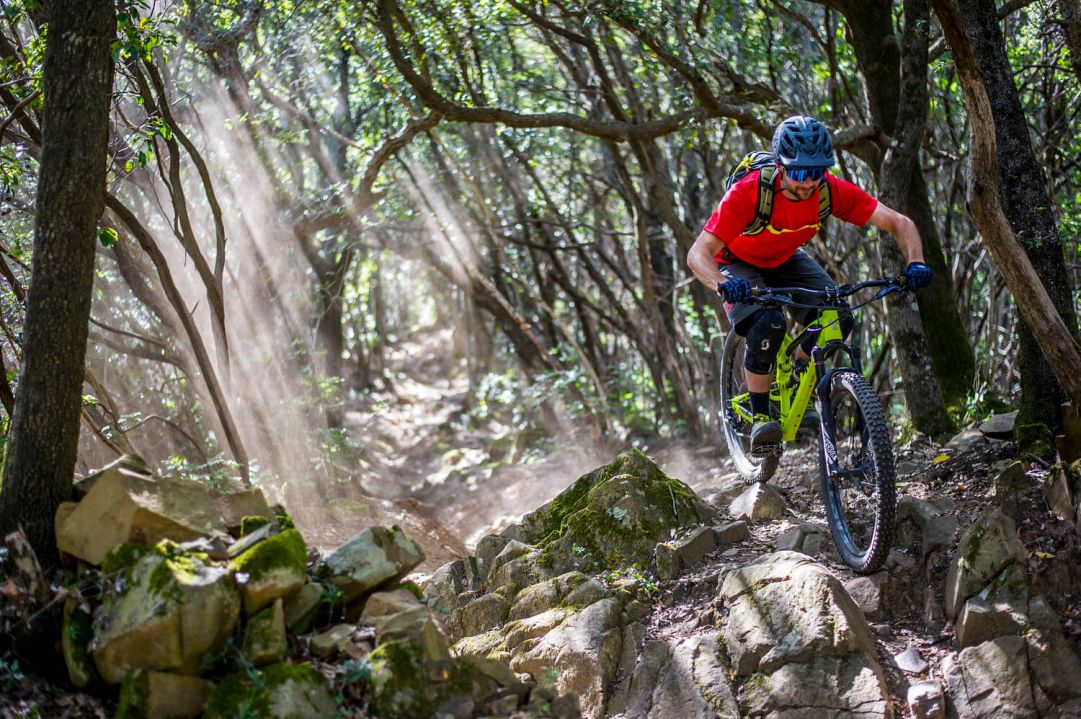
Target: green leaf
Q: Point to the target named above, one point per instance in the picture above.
(107, 236)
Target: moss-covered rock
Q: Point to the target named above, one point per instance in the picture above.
(1035, 439)
(75, 638)
(614, 516)
(273, 569)
(164, 613)
(265, 641)
(160, 695)
(988, 548)
(406, 685)
(235, 506)
(374, 558)
(280, 691)
(123, 556)
(251, 523)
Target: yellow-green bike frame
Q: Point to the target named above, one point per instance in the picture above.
(793, 398)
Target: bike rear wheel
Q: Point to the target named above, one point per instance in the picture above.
(735, 426)
(861, 502)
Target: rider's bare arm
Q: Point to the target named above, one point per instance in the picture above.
(902, 228)
(700, 259)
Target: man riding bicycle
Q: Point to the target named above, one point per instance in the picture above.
(731, 257)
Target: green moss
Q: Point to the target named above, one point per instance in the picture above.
(282, 550)
(132, 703)
(251, 523)
(573, 511)
(123, 556)
(401, 688)
(413, 589)
(247, 693)
(262, 641)
(78, 632)
(238, 695)
(1034, 439)
(179, 567)
(399, 682)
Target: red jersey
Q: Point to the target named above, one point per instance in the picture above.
(792, 224)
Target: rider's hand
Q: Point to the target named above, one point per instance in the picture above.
(735, 290)
(917, 276)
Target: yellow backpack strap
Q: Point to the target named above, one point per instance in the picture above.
(824, 202)
(764, 206)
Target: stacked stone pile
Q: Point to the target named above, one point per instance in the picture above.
(207, 605)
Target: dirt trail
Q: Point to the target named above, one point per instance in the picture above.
(428, 469)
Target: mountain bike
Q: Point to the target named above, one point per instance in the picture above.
(855, 447)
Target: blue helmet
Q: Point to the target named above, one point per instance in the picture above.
(802, 142)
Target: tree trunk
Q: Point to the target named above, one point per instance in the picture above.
(1054, 334)
(78, 78)
(922, 393)
(1071, 26)
(947, 341)
(1023, 195)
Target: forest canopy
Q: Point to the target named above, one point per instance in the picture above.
(294, 189)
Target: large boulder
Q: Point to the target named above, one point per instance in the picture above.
(376, 557)
(1015, 676)
(614, 516)
(165, 612)
(123, 505)
(988, 549)
(798, 639)
(685, 680)
(580, 655)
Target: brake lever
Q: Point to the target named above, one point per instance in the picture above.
(888, 290)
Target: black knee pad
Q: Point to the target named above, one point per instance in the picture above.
(764, 337)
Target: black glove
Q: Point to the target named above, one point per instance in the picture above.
(735, 290)
(917, 276)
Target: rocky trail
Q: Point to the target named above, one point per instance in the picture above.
(657, 584)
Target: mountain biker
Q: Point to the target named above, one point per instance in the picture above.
(731, 262)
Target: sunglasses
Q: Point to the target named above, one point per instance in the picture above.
(815, 174)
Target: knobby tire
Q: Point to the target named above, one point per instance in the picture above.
(861, 512)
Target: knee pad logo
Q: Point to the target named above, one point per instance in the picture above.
(765, 346)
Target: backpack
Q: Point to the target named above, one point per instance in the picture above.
(763, 161)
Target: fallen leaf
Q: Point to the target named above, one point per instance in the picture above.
(940, 458)
(1044, 555)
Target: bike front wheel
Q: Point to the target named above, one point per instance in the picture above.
(735, 414)
(861, 501)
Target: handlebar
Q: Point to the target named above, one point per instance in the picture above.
(783, 295)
